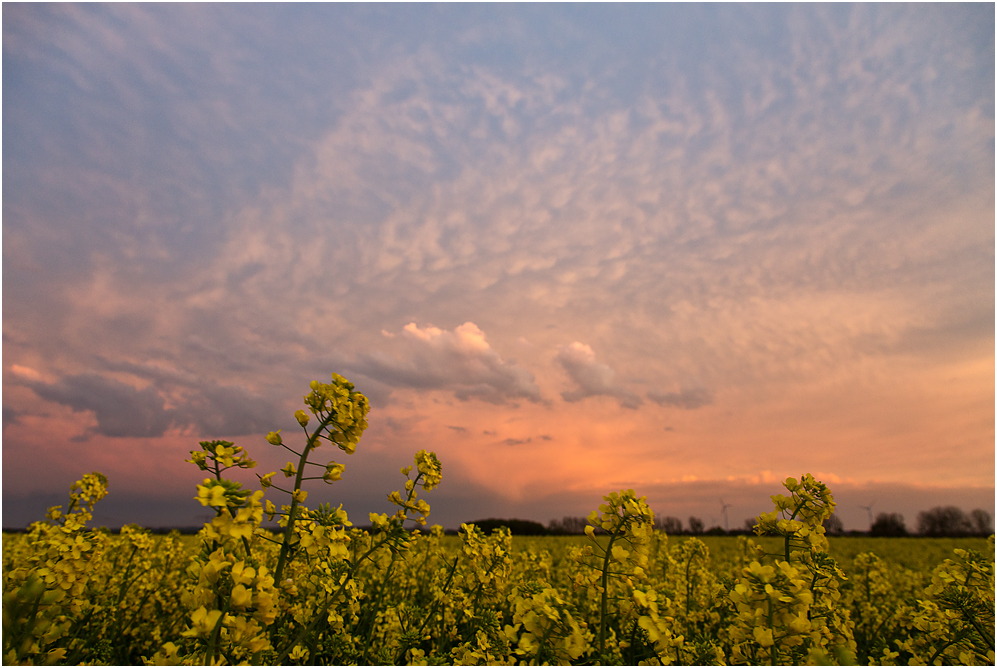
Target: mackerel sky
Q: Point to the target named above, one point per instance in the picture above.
(688, 249)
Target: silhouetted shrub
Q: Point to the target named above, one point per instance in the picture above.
(944, 521)
(670, 525)
(981, 522)
(888, 524)
(833, 526)
(567, 526)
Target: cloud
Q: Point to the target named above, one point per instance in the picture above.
(686, 398)
(460, 361)
(794, 198)
(403, 425)
(11, 416)
(592, 378)
(220, 410)
(25, 372)
(122, 410)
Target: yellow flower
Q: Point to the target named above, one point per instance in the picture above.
(273, 438)
(302, 418)
(241, 597)
(289, 470)
(211, 496)
(199, 458)
(202, 622)
(763, 636)
(333, 472)
(242, 574)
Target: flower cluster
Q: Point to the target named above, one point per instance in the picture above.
(341, 411)
(789, 610)
(955, 622)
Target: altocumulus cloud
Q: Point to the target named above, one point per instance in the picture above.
(460, 361)
(591, 377)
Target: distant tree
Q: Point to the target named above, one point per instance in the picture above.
(670, 525)
(517, 527)
(981, 522)
(944, 521)
(695, 526)
(888, 524)
(716, 531)
(568, 526)
(749, 524)
(833, 526)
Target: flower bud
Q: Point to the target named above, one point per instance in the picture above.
(273, 438)
(302, 418)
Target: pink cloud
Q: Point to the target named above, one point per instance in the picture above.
(591, 378)
(459, 361)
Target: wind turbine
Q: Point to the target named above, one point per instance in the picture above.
(723, 509)
(868, 509)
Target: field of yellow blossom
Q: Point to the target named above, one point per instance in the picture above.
(321, 592)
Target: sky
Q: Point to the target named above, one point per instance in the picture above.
(686, 249)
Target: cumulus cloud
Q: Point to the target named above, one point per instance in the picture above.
(688, 398)
(460, 361)
(592, 378)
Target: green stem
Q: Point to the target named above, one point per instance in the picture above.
(772, 652)
(688, 587)
(943, 648)
(212, 649)
(285, 547)
(377, 606)
(604, 603)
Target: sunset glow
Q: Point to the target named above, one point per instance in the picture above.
(685, 249)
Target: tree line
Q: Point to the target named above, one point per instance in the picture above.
(940, 521)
